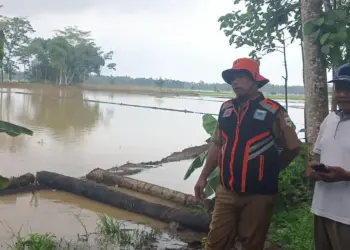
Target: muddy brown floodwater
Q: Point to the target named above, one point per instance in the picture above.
(73, 137)
(63, 214)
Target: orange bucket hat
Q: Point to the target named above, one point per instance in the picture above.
(245, 65)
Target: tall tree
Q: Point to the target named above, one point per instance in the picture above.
(315, 72)
(265, 26)
(2, 43)
(17, 31)
(70, 57)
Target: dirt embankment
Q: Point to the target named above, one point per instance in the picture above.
(118, 88)
(134, 168)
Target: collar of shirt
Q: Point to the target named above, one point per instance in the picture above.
(243, 104)
(342, 115)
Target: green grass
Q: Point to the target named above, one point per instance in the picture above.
(35, 242)
(109, 233)
(293, 228)
(292, 222)
(111, 230)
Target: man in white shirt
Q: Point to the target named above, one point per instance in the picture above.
(331, 201)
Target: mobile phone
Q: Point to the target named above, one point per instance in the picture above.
(320, 168)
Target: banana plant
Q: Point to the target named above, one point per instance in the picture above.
(13, 131)
(209, 123)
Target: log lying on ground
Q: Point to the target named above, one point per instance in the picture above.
(194, 220)
(186, 154)
(21, 181)
(20, 184)
(111, 179)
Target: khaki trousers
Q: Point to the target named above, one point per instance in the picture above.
(331, 235)
(239, 216)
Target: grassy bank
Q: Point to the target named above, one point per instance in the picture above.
(143, 90)
(292, 222)
(110, 234)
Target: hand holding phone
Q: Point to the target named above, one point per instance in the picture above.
(320, 168)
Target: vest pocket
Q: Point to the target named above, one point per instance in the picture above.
(261, 168)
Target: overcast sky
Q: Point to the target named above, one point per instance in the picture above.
(176, 39)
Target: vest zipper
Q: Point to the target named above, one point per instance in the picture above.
(239, 121)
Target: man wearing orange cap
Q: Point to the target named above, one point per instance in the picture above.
(253, 141)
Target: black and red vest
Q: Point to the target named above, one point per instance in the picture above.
(249, 158)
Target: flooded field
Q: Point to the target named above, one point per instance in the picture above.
(72, 137)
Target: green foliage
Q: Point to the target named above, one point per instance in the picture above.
(110, 234)
(71, 56)
(2, 42)
(209, 123)
(35, 242)
(16, 33)
(263, 25)
(13, 130)
(294, 187)
(293, 228)
(197, 163)
(332, 31)
(111, 230)
(4, 182)
(213, 182)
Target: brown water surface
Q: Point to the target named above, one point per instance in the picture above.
(59, 213)
(72, 137)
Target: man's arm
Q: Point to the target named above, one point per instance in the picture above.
(287, 139)
(212, 158)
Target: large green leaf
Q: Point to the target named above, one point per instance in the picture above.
(213, 183)
(13, 130)
(209, 123)
(197, 163)
(4, 182)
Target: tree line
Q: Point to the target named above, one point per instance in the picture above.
(69, 57)
(169, 83)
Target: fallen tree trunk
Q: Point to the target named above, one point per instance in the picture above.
(134, 168)
(111, 179)
(196, 221)
(21, 184)
(21, 181)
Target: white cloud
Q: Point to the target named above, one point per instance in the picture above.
(177, 39)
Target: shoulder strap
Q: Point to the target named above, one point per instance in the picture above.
(271, 105)
(227, 104)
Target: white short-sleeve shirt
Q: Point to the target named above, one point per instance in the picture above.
(332, 200)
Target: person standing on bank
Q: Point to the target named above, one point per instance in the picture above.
(331, 201)
(253, 141)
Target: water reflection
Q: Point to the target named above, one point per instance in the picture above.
(72, 137)
(32, 213)
(62, 111)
